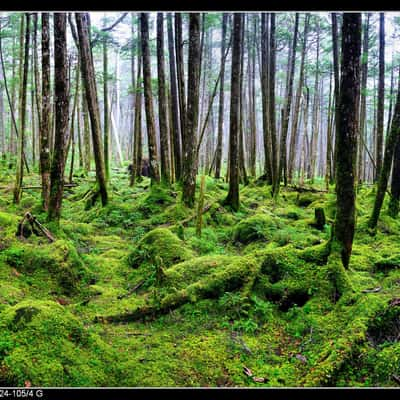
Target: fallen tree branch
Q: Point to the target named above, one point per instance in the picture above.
(34, 224)
(305, 189)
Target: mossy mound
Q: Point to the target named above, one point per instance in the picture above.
(43, 343)
(159, 246)
(59, 259)
(256, 227)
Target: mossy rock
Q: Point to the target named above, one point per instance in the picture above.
(42, 342)
(60, 259)
(257, 227)
(160, 243)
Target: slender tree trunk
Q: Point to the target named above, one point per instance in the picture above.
(180, 72)
(381, 96)
(89, 80)
(265, 98)
(148, 99)
(233, 195)
(394, 202)
(218, 159)
(347, 132)
(22, 116)
(136, 174)
(106, 110)
(391, 144)
(335, 50)
(162, 102)
(272, 116)
(296, 114)
(46, 112)
(189, 142)
(288, 103)
(61, 89)
(363, 105)
(174, 103)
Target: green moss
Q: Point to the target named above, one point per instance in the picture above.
(159, 243)
(257, 227)
(59, 259)
(42, 342)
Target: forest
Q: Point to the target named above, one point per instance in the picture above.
(201, 199)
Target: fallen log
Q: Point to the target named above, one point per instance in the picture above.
(302, 189)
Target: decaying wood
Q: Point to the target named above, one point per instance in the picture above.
(35, 224)
(133, 290)
(302, 189)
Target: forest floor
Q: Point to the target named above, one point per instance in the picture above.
(129, 295)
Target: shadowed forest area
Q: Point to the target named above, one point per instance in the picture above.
(199, 199)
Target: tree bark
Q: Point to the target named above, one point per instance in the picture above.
(347, 132)
(61, 89)
(232, 199)
(391, 145)
(24, 63)
(174, 103)
(189, 137)
(288, 103)
(89, 80)
(148, 99)
(162, 102)
(218, 159)
(296, 114)
(381, 96)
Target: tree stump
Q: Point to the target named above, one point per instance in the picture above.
(320, 220)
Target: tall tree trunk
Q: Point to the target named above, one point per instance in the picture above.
(347, 132)
(162, 102)
(180, 72)
(272, 116)
(336, 74)
(86, 132)
(89, 80)
(46, 112)
(106, 115)
(363, 105)
(218, 159)
(391, 144)
(136, 174)
(288, 103)
(148, 99)
(265, 98)
(381, 96)
(296, 114)
(174, 103)
(61, 89)
(394, 202)
(233, 195)
(22, 107)
(189, 143)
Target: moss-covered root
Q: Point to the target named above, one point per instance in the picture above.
(201, 278)
(337, 275)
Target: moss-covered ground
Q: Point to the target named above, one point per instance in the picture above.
(128, 295)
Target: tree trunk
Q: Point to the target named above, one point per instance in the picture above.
(265, 98)
(218, 159)
(46, 112)
(89, 80)
(148, 99)
(381, 96)
(391, 145)
(189, 142)
(24, 61)
(61, 89)
(288, 103)
(174, 103)
(363, 105)
(106, 109)
(162, 102)
(296, 114)
(233, 195)
(136, 174)
(346, 132)
(180, 72)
